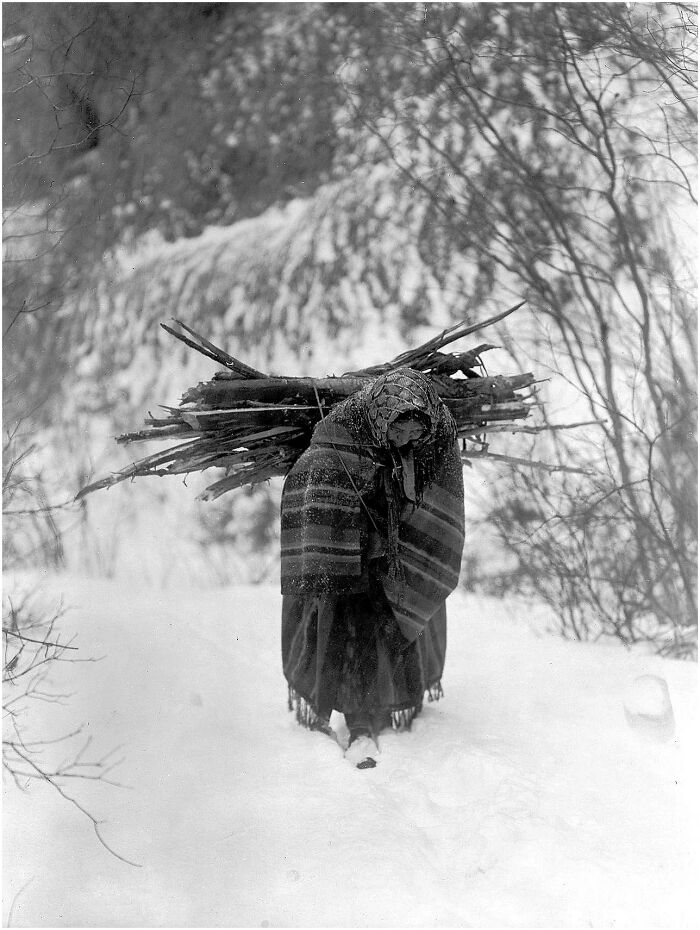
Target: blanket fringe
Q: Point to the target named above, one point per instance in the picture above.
(435, 692)
(307, 716)
(402, 719)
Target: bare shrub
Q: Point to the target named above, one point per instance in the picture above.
(553, 147)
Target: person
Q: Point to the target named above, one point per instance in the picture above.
(372, 531)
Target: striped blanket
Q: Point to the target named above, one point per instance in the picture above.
(327, 525)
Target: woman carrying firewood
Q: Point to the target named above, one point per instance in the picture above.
(372, 537)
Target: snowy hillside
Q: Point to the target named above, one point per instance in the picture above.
(324, 285)
(325, 282)
(523, 799)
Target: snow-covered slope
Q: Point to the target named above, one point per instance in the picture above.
(322, 285)
(523, 799)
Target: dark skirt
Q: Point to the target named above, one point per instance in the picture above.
(347, 653)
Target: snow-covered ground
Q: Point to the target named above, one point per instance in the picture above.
(523, 799)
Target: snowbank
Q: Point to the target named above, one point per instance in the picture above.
(523, 799)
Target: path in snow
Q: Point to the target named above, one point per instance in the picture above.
(522, 799)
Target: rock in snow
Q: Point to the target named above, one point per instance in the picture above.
(648, 707)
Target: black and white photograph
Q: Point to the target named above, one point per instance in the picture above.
(350, 465)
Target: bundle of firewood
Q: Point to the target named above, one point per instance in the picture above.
(255, 425)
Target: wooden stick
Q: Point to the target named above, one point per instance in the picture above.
(529, 463)
(250, 410)
(233, 363)
(451, 334)
(243, 477)
(232, 392)
(523, 427)
(155, 433)
(190, 343)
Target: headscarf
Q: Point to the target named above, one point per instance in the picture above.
(397, 394)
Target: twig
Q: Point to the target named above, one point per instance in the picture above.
(524, 428)
(41, 642)
(449, 335)
(213, 352)
(46, 509)
(10, 914)
(45, 776)
(528, 463)
(234, 364)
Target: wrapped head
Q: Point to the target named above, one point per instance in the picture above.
(402, 406)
